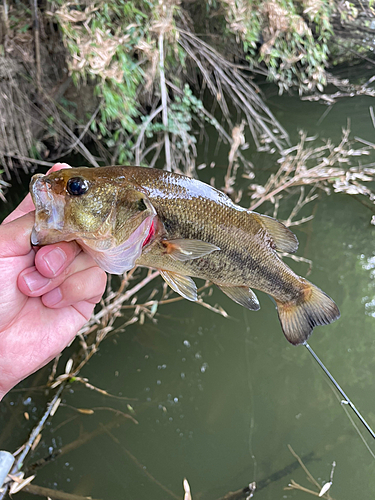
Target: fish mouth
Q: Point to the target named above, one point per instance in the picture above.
(49, 212)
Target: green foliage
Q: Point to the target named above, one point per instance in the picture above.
(114, 46)
(289, 37)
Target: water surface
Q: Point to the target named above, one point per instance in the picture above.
(218, 400)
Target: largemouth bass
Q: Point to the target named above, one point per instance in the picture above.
(127, 216)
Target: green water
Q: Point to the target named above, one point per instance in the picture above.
(219, 400)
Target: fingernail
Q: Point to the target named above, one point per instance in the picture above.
(55, 259)
(35, 281)
(52, 298)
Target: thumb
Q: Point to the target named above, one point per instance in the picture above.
(23, 208)
(15, 236)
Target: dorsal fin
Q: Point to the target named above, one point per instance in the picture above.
(284, 239)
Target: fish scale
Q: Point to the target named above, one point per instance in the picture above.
(245, 248)
(126, 216)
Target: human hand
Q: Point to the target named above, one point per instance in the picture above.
(46, 296)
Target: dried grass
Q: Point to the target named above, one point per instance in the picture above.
(224, 80)
(15, 121)
(326, 167)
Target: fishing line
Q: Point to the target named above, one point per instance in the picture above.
(251, 395)
(351, 419)
(346, 400)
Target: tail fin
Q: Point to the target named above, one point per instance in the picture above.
(298, 319)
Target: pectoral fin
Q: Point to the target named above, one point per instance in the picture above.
(242, 295)
(284, 239)
(183, 249)
(183, 285)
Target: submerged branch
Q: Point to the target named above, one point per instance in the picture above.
(51, 408)
(41, 491)
(322, 491)
(243, 494)
(142, 467)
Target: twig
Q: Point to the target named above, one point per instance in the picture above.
(217, 72)
(36, 431)
(367, 143)
(142, 132)
(33, 489)
(242, 494)
(86, 153)
(238, 139)
(101, 391)
(372, 115)
(311, 478)
(87, 436)
(37, 44)
(5, 12)
(142, 467)
(115, 305)
(47, 111)
(328, 169)
(34, 434)
(26, 158)
(295, 486)
(223, 134)
(87, 126)
(164, 102)
(322, 492)
(54, 369)
(91, 411)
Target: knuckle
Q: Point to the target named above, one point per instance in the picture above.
(98, 276)
(101, 277)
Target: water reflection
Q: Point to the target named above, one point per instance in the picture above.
(368, 263)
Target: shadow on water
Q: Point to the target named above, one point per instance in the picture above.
(218, 400)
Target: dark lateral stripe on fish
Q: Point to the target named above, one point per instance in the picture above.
(246, 262)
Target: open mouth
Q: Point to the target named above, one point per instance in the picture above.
(49, 211)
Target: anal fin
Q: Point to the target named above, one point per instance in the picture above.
(185, 249)
(242, 295)
(181, 284)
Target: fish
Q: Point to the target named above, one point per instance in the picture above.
(126, 216)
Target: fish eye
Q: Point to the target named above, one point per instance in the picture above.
(76, 186)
